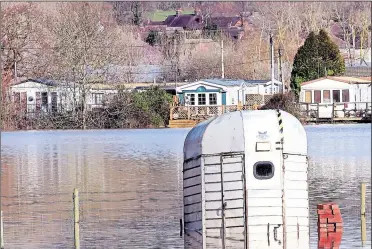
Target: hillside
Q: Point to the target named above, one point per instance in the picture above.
(45, 39)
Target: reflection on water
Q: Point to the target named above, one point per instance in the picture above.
(130, 184)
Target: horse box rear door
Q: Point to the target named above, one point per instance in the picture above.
(224, 203)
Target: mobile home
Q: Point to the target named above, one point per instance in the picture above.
(211, 92)
(51, 96)
(344, 92)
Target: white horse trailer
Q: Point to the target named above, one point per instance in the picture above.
(245, 182)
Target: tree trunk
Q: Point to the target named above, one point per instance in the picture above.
(353, 37)
(84, 111)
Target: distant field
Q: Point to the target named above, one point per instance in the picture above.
(161, 15)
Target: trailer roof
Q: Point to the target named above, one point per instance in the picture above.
(239, 131)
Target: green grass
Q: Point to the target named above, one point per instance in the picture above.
(161, 15)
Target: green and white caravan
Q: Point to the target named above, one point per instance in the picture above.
(245, 182)
(211, 92)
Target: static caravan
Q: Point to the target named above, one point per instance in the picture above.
(245, 182)
(347, 93)
(47, 95)
(211, 92)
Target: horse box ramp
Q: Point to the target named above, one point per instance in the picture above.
(245, 182)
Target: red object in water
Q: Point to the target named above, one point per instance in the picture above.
(330, 226)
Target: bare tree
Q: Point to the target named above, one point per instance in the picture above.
(86, 46)
(137, 12)
(315, 16)
(206, 11)
(344, 15)
(23, 40)
(363, 23)
(172, 46)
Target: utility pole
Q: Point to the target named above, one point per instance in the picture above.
(130, 63)
(281, 70)
(272, 63)
(222, 63)
(15, 70)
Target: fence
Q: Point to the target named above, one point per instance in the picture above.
(310, 112)
(94, 220)
(205, 112)
(31, 109)
(336, 111)
(77, 211)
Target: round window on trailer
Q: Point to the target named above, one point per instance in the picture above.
(263, 170)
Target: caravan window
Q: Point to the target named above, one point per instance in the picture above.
(201, 99)
(345, 95)
(336, 96)
(308, 96)
(213, 98)
(44, 99)
(97, 98)
(317, 96)
(190, 99)
(263, 170)
(326, 96)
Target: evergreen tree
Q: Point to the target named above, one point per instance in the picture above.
(333, 61)
(318, 57)
(153, 38)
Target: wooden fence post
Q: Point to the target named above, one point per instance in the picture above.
(188, 112)
(317, 112)
(255, 106)
(307, 110)
(171, 112)
(333, 112)
(2, 231)
(75, 198)
(363, 212)
(366, 109)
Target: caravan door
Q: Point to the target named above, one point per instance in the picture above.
(225, 220)
(296, 200)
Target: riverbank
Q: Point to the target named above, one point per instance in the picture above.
(167, 127)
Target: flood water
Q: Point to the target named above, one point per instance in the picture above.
(130, 185)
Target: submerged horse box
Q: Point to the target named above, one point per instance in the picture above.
(245, 182)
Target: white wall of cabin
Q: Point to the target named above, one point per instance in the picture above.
(64, 94)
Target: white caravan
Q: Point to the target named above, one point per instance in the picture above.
(245, 182)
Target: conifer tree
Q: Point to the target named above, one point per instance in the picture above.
(318, 57)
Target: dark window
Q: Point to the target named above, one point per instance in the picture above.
(263, 170)
(326, 96)
(191, 99)
(44, 98)
(38, 101)
(54, 101)
(336, 96)
(213, 98)
(24, 100)
(317, 96)
(345, 95)
(97, 98)
(17, 98)
(201, 99)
